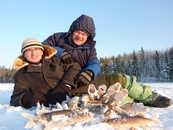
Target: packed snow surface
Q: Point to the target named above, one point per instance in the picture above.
(11, 119)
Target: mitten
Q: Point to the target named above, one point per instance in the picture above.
(31, 99)
(58, 94)
(84, 78)
(67, 58)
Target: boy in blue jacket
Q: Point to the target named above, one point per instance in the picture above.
(78, 45)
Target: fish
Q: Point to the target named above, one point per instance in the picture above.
(110, 101)
(44, 116)
(114, 103)
(32, 121)
(73, 118)
(73, 103)
(99, 105)
(101, 90)
(97, 108)
(116, 98)
(110, 91)
(115, 88)
(131, 122)
(134, 108)
(80, 117)
(92, 92)
(108, 113)
(84, 100)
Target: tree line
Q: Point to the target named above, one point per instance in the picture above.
(6, 74)
(147, 66)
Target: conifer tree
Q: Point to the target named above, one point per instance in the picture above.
(166, 68)
(134, 65)
(157, 65)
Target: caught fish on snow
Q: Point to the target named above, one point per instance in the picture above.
(99, 106)
(73, 118)
(134, 108)
(132, 121)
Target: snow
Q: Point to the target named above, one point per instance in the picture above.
(11, 119)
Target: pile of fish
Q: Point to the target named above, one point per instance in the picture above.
(100, 105)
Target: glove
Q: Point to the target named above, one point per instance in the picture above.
(84, 78)
(67, 58)
(30, 99)
(58, 94)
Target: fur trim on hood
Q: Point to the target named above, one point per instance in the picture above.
(21, 62)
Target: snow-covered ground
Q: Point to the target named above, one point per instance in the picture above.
(11, 119)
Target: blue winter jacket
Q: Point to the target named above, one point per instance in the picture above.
(86, 54)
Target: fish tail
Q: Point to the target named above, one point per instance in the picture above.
(155, 120)
(30, 124)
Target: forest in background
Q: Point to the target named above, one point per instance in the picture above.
(147, 66)
(6, 74)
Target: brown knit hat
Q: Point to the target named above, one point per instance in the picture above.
(30, 43)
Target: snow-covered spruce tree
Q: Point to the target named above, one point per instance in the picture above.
(142, 65)
(134, 66)
(171, 64)
(157, 64)
(166, 68)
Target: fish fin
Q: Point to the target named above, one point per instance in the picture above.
(41, 112)
(64, 106)
(26, 115)
(156, 121)
(133, 128)
(120, 111)
(141, 114)
(58, 106)
(73, 102)
(67, 98)
(30, 124)
(146, 127)
(139, 107)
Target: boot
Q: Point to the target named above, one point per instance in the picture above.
(157, 100)
(143, 93)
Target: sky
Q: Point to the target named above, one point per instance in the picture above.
(121, 26)
(11, 118)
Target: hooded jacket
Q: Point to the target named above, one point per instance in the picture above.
(43, 76)
(86, 54)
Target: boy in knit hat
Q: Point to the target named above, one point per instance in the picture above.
(41, 77)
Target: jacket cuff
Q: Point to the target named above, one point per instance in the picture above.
(20, 100)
